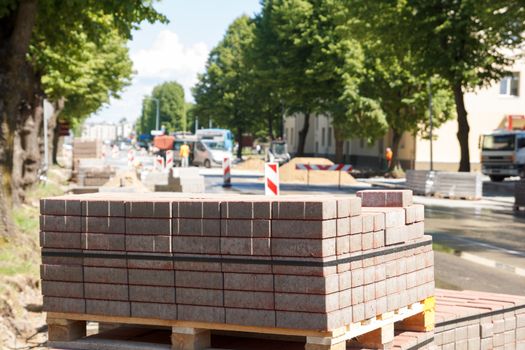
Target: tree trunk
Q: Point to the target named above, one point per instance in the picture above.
(463, 128)
(339, 144)
(54, 129)
(396, 140)
(270, 126)
(302, 134)
(17, 83)
(239, 142)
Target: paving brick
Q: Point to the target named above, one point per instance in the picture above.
(63, 289)
(191, 227)
(320, 210)
(189, 209)
(369, 198)
(103, 241)
(246, 228)
(420, 212)
(63, 273)
(367, 241)
(255, 318)
(139, 261)
(306, 302)
(342, 245)
(381, 305)
(358, 295)
(60, 240)
(152, 277)
(356, 224)
(62, 206)
(60, 223)
(61, 304)
(288, 209)
(238, 210)
(369, 292)
(262, 209)
(245, 246)
(250, 282)
(306, 320)
(345, 298)
(198, 279)
(303, 247)
(357, 277)
(103, 208)
(393, 217)
(249, 300)
(196, 296)
(304, 229)
(104, 258)
(154, 310)
(196, 244)
(105, 225)
(355, 243)
(380, 289)
(211, 227)
(307, 284)
(398, 198)
(230, 264)
(368, 221)
(185, 262)
(395, 235)
(108, 308)
(370, 309)
(378, 239)
(343, 226)
(148, 243)
(105, 275)
(358, 312)
(148, 209)
(154, 294)
(410, 214)
(148, 226)
(201, 313)
(106, 291)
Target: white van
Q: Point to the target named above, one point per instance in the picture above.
(210, 153)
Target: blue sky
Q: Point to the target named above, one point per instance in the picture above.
(174, 51)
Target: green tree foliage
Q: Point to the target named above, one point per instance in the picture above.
(225, 92)
(469, 43)
(172, 108)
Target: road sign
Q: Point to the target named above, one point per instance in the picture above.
(271, 179)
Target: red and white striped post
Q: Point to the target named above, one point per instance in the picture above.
(226, 171)
(326, 167)
(271, 179)
(169, 159)
(159, 163)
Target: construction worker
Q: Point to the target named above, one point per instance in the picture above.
(388, 156)
(184, 155)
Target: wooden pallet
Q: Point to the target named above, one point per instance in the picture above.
(68, 331)
(455, 197)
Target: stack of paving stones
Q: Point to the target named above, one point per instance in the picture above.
(421, 182)
(305, 262)
(479, 320)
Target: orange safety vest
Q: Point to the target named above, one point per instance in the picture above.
(389, 154)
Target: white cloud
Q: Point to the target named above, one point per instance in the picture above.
(166, 59)
(169, 59)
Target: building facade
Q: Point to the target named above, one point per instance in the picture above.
(488, 109)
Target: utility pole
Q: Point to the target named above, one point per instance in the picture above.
(430, 123)
(196, 124)
(157, 122)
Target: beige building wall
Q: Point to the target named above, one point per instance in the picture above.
(487, 109)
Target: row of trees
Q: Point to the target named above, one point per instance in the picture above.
(369, 65)
(71, 52)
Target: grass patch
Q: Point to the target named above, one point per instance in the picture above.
(42, 190)
(443, 248)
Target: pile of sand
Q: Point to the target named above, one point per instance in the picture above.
(255, 164)
(288, 173)
(126, 179)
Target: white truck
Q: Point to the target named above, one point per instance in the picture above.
(503, 154)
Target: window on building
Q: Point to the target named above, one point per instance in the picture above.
(322, 137)
(329, 137)
(316, 147)
(510, 85)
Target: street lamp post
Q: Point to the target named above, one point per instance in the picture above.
(158, 105)
(430, 124)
